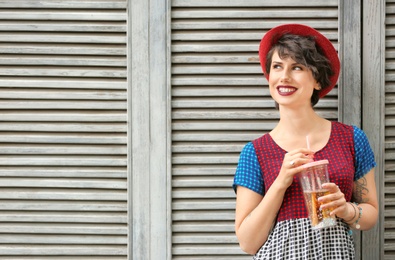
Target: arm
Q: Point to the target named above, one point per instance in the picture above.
(255, 214)
(364, 187)
(364, 193)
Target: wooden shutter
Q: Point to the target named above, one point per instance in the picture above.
(63, 129)
(220, 101)
(389, 179)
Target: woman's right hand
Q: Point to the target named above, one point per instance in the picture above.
(292, 164)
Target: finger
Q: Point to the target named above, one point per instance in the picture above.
(331, 187)
(333, 204)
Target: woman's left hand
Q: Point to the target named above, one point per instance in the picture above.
(335, 201)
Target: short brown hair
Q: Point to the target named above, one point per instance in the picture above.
(303, 50)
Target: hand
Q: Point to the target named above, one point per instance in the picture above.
(292, 164)
(335, 201)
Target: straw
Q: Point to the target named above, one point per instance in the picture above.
(314, 217)
(308, 147)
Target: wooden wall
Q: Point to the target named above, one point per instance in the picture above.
(121, 121)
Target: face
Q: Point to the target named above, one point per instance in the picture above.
(290, 82)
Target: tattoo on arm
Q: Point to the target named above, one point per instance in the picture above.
(360, 191)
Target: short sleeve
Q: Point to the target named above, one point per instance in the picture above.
(364, 157)
(248, 172)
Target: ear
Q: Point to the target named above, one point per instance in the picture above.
(318, 86)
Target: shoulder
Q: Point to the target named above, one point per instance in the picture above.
(342, 128)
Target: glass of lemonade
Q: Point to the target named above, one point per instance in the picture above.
(311, 179)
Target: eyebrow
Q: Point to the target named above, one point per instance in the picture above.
(280, 62)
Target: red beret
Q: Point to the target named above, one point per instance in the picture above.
(272, 36)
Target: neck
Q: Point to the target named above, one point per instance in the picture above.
(299, 123)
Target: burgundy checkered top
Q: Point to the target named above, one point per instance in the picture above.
(339, 151)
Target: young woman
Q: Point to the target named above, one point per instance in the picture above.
(302, 66)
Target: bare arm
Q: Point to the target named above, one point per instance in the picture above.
(256, 214)
(364, 193)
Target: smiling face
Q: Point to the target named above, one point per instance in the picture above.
(290, 82)
(302, 50)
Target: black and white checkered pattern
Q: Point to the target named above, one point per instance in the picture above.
(296, 240)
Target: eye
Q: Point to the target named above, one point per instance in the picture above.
(276, 66)
(298, 68)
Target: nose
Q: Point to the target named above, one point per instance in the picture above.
(285, 76)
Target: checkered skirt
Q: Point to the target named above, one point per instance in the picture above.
(294, 239)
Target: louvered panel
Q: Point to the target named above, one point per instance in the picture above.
(389, 180)
(63, 129)
(220, 101)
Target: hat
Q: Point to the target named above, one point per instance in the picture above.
(273, 35)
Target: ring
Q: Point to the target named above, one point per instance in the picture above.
(292, 163)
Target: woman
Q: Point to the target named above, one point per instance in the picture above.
(302, 66)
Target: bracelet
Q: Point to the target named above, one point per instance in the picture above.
(357, 226)
(355, 213)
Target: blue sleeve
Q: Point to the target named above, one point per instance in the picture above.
(248, 172)
(364, 157)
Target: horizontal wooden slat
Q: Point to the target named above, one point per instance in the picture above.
(219, 91)
(205, 158)
(252, 3)
(63, 26)
(198, 204)
(69, 172)
(59, 160)
(62, 138)
(218, 102)
(216, 136)
(235, 114)
(69, 257)
(217, 69)
(230, 91)
(202, 58)
(257, 12)
(215, 181)
(202, 239)
(59, 205)
(63, 150)
(62, 239)
(205, 148)
(63, 228)
(205, 193)
(91, 127)
(63, 49)
(261, 24)
(64, 15)
(202, 215)
(220, 226)
(55, 250)
(210, 250)
(190, 125)
(220, 35)
(62, 83)
(65, 217)
(241, 256)
(62, 194)
(202, 170)
(60, 104)
(92, 72)
(110, 184)
(38, 60)
(61, 4)
(62, 116)
(62, 38)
